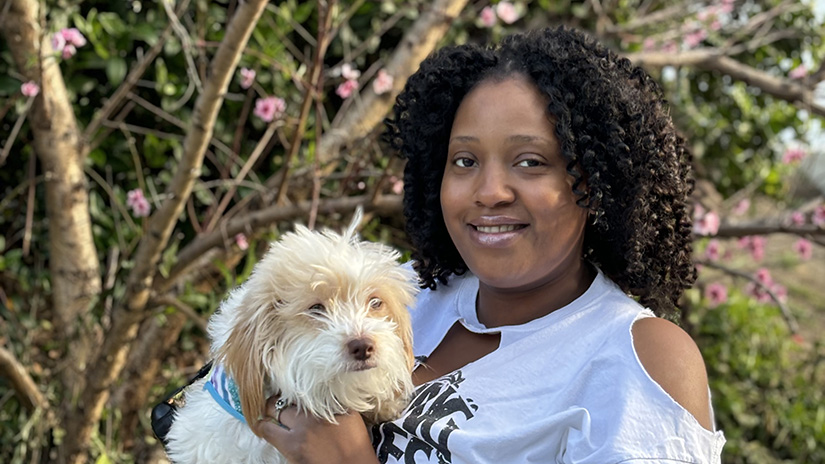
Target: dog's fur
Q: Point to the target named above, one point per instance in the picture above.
(272, 337)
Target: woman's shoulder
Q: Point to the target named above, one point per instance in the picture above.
(672, 359)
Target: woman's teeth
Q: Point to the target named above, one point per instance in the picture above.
(496, 229)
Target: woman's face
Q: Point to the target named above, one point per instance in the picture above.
(506, 196)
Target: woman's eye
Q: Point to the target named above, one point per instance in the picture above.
(464, 162)
(529, 163)
(376, 303)
(317, 308)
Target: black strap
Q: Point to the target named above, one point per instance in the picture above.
(164, 412)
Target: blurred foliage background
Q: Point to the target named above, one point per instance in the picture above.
(744, 77)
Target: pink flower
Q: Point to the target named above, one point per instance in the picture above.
(716, 294)
(487, 16)
(73, 37)
(818, 218)
(507, 12)
(382, 83)
(727, 7)
(346, 89)
(68, 51)
(649, 44)
(693, 39)
(247, 77)
(670, 47)
(58, 42)
(713, 250)
(754, 244)
(757, 247)
(66, 42)
(792, 155)
(780, 291)
(804, 248)
(716, 25)
(269, 108)
(397, 186)
(742, 207)
(798, 339)
(763, 275)
(797, 218)
(707, 225)
(706, 14)
(30, 89)
(139, 204)
(349, 73)
(240, 240)
(798, 72)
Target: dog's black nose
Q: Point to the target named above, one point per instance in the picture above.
(361, 348)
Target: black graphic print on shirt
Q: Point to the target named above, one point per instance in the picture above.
(421, 434)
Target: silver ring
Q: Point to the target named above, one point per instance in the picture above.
(280, 405)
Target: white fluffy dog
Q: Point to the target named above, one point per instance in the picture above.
(323, 321)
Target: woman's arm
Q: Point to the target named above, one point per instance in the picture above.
(309, 440)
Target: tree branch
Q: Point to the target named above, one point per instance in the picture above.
(420, 39)
(786, 313)
(130, 310)
(73, 261)
(189, 255)
(21, 381)
(712, 60)
(767, 227)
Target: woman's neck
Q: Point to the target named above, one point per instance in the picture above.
(500, 307)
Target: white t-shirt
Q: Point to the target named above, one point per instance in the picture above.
(567, 387)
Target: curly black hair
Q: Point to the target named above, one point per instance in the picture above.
(615, 132)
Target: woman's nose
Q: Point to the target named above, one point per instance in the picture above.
(494, 187)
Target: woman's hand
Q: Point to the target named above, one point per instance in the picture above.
(307, 440)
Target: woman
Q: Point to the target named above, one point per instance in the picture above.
(545, 182)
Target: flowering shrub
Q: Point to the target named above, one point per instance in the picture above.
(766, 386)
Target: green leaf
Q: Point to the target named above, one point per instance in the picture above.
(116, 70)
(112, 23)
(9, 85)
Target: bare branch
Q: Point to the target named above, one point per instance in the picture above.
(169, 300)
(675, 11)
(310, 93)
(767, 227)
(21, 382)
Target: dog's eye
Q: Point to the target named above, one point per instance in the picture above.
(376, 303)
(317, 308)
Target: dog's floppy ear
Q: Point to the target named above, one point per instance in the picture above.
(242, 354)
(406, 339)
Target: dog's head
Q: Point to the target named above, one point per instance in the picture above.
(323, 319)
